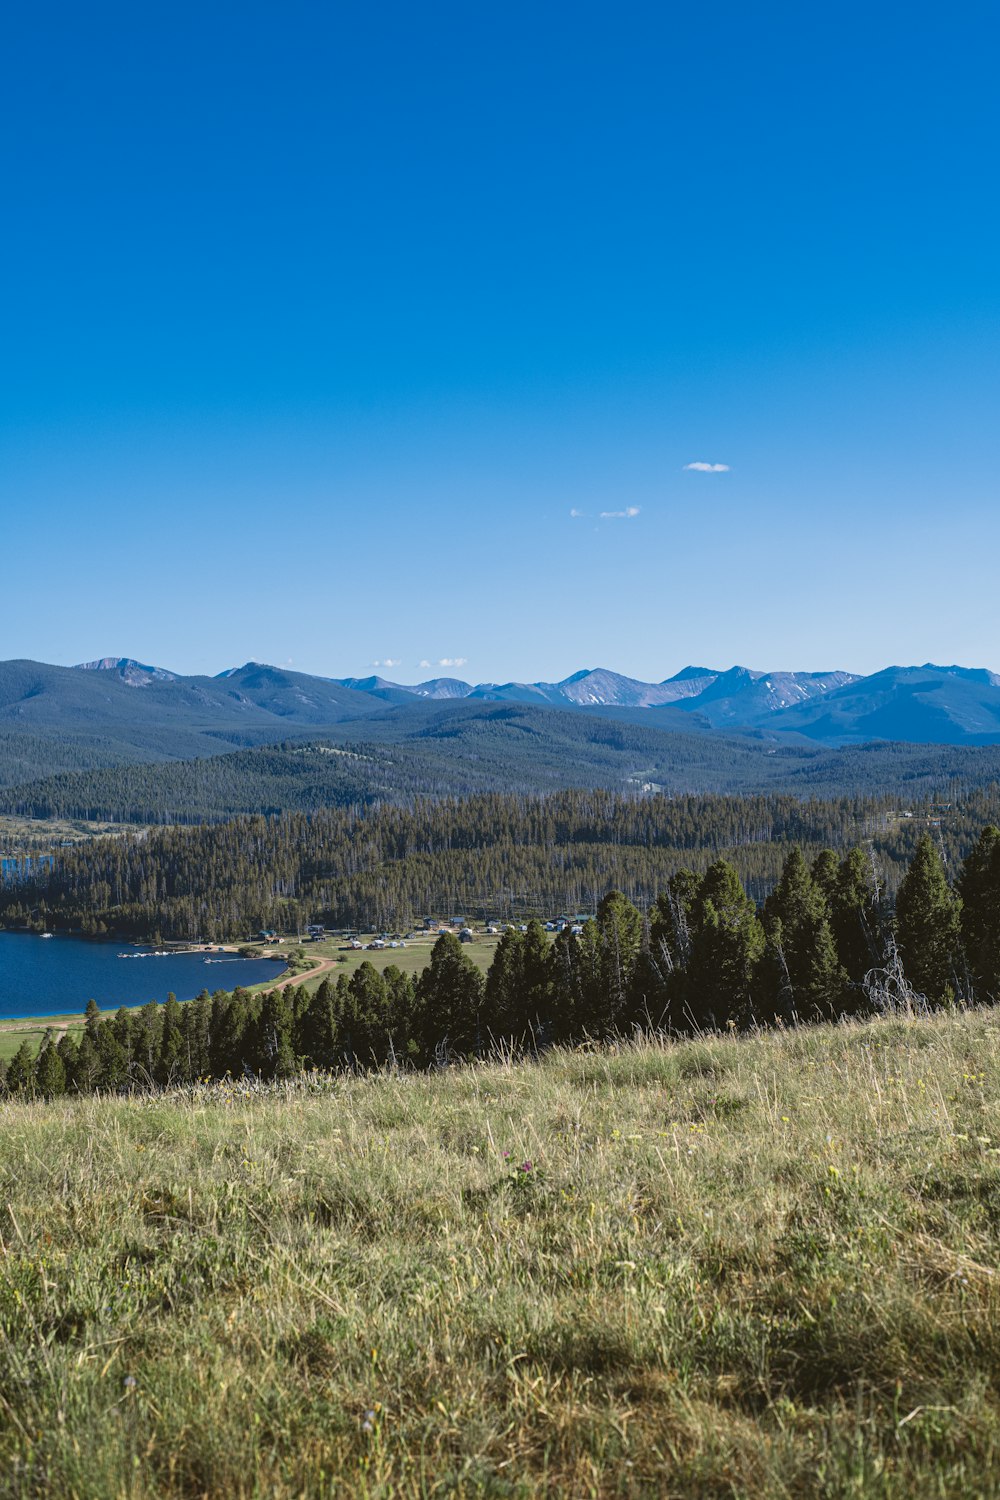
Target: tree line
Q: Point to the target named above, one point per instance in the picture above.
(827, 942)
(491, 857)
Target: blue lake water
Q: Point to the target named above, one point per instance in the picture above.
(51, 976)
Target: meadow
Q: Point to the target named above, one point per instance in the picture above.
(722, 1267)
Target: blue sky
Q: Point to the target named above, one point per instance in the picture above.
(320, 322)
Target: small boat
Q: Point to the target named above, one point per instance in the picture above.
(46, 934)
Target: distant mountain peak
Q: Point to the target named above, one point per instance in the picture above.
(688, 674)
(133, 673)
(248, 666)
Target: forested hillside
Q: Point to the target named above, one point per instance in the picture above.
(488, 856)
(463, 749)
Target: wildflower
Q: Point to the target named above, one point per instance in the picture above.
(130, 1382)
(368, 1422)
(526, 1166)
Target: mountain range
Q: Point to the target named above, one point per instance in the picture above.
(924, 705)
(119, 711)
(695, 687)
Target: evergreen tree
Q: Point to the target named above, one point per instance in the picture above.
(171, 1065)
(87, 1074)
(671, 924)
(592, 1014)
(21, 1072)
(112, 1060)
(147, 1043)
(662, 975)
(978, 887)
(619, 929)
(826, 873)
(69, 1052)
(364, 1022)
(801, 967)
(197, 1024)
(857, 919)
(536, 980)
(274, 1055)
(504, 984)
(50, 1072)
(449, 998)
(122, 1030)
(518, 996)
(928, 926)
(567, 987)
(316, 1028)
(92, 1019)
(233, 1040)
(726, 948)
(401, 1000)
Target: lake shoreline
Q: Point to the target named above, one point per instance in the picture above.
(52, 980)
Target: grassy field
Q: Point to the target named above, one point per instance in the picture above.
(764, 1267)
(14, 1033)
(411, 959)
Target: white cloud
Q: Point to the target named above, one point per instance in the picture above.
(452, 661)
(620, 515)
(576, 514)
(703, 468)
(424, 663)
(390, 661)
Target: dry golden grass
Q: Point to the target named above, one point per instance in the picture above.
(763, 1267)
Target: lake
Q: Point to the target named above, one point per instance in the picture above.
(53, 976)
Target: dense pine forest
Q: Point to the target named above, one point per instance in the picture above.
(490, 857)
(385, 866)
(826, 943)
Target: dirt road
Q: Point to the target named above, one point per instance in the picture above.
(321, 967)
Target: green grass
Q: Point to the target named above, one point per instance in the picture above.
(764, 1267)
(410, 960)
(14, 1033)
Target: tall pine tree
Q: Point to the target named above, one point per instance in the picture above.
(928, 926)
